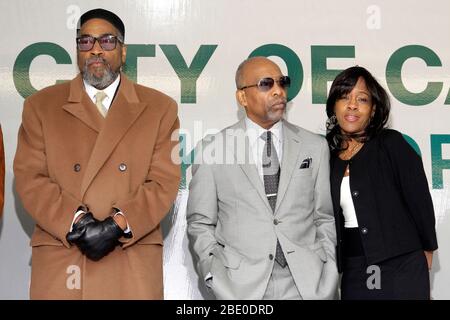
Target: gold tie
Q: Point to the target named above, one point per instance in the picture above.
(99, 97)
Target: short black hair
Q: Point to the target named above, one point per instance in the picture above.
(342, 85)
(100, 13)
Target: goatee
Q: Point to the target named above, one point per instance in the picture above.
(105, 80)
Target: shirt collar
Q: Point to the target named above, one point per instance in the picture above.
(109, 90)
(254, 130)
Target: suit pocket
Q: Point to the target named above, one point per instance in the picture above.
(318, 249)
(147, 242)
(227, 258)
(150, 240)
(154, 237)
(305, 172)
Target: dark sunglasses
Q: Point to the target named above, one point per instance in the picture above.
(107, 42)
(265, 84)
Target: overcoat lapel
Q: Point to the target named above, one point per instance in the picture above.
(123, 112)
(81, 107)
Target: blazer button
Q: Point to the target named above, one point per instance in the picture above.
(122, 167)
(355, 193)
(271, 256)
(364, 231)
(276, 222)
(77, 167)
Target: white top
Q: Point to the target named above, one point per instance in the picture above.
(348, 208)
(110, 91)
(254, 132)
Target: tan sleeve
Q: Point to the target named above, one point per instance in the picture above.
(50, 206)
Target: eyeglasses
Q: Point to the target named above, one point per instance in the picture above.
(265, 84)
(107, 42)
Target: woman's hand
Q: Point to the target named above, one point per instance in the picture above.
(429, 256)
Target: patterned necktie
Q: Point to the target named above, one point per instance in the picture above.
(271, 170)
(99, 97)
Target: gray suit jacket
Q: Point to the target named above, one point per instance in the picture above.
(231, 225)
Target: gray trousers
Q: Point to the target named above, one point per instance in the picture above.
(281, 285)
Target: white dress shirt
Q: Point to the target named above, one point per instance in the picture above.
(110, 92)
(254, 132)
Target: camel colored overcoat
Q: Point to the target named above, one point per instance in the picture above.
(68, 155)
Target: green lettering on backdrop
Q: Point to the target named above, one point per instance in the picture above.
(21, 69)
(447, 100)
(394, 75)
(438, 164)
(290, 58)
(134, 51)
(188, 75)
(320, 74)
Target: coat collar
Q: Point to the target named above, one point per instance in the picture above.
(81, 107)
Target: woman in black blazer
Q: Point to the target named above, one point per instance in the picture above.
(382, 205)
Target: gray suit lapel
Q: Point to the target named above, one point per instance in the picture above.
(248, 166)
(291, 149)
(252, 174)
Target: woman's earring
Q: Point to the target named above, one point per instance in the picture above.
(333, 119)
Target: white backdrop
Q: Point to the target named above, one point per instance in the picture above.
(405, 44)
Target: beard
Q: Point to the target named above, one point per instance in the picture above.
(273, 109)
(107, 77)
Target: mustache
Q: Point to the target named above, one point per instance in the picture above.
(96, 60)
(280, 100)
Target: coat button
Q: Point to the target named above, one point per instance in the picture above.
(276, 222)
(122, 167)
(271, 256)
(364, 231)
(77, 167)
(355, 193)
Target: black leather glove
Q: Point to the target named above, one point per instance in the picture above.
(80, 227)
(95, 238)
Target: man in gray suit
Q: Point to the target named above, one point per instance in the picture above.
(259, 213)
